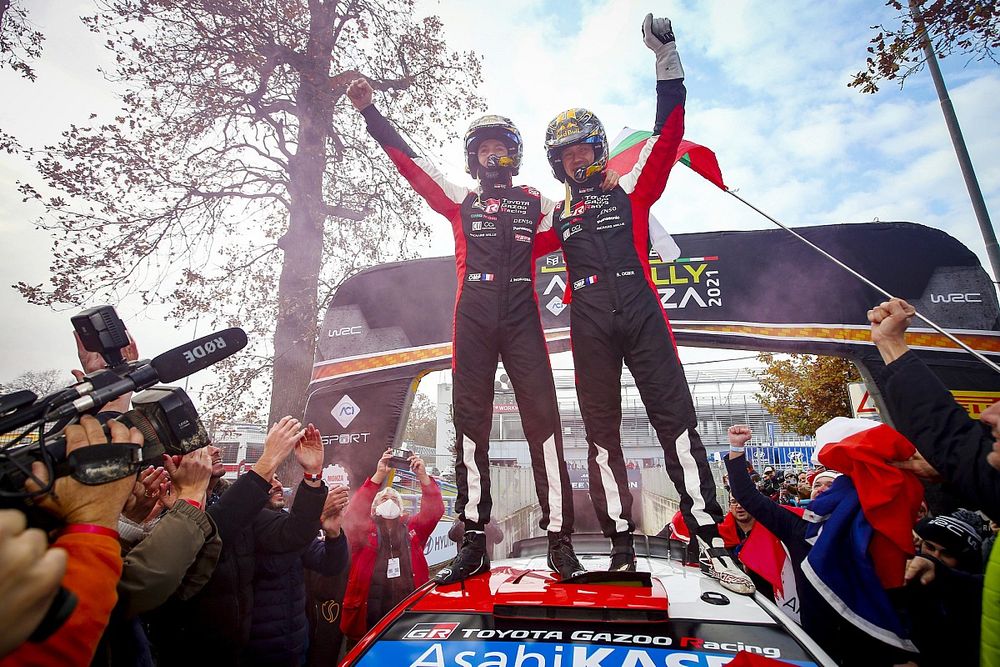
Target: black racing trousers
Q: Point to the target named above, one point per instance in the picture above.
(487, 328)
(639, 335)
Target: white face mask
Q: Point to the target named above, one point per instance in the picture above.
(387, 510)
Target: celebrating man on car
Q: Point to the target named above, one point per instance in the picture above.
(617, 314)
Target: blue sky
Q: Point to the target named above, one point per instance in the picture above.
(766, 90)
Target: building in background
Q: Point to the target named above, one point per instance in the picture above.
(722, 397)
(241, 445)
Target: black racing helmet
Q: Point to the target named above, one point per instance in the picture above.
(571, 127)
(500, 128)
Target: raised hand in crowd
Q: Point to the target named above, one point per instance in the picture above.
(189, 479)
(30, 573)
(382, 468)
(889, 321)
(145, 493)
(965, 454)
(281, 440)
(739, 436)
(93, 361)
(420, 470)
(333, 510)
(77, 503)
(309, 453)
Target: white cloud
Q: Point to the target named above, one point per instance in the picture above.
(767, 91)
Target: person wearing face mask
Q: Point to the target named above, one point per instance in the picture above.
(387, 546)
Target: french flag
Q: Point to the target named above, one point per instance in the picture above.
(861, 526)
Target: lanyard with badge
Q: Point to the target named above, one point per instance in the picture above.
(392, 571)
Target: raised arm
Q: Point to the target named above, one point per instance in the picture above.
(925, 412)
(431, 503)
(442, 195)
(785, 525)
(648, 178)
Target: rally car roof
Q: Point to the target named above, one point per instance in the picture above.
(525, 588)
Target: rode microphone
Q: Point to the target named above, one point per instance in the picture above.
(167, 367)
(198, 354)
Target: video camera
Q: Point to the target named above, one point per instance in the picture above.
(165, 415)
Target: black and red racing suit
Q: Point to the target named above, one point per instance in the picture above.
(496, 314)
(617, 316)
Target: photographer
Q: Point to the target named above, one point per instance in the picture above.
(94, 564)
(387, 547)
(217, 620)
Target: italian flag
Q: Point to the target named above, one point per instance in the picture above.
(624, 153)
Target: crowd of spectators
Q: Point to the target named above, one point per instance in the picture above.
(176, 565)
(176, 559)
(850, 550)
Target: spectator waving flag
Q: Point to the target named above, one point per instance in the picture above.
(860, 525)
(624, 153)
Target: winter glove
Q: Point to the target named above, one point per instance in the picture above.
(659, 36)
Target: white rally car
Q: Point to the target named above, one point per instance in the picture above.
(520, 615)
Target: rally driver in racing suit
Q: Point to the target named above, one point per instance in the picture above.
(616, 315)
(496, 314)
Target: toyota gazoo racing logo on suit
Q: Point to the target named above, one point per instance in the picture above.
(491, 206)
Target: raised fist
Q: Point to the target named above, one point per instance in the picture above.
(658, 35)
(360, 93)
(658, 30)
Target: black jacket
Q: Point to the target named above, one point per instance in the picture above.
(216, 622)
(279, 630)
(925, 412)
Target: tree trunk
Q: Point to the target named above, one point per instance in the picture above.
(302, 244)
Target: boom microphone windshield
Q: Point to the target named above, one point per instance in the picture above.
(198, 354)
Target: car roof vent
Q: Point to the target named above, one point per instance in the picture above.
(581, 614)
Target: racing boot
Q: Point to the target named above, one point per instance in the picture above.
(562, 558)
(471, 560)
(622, 553)
(717, 563)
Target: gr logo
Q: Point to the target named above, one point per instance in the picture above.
(345, 411)
(431, 631)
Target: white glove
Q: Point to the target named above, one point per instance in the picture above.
(659, 36)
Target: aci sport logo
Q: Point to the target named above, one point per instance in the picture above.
(345, 411)
(431, 631)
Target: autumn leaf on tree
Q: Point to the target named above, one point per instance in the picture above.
(969, 27)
